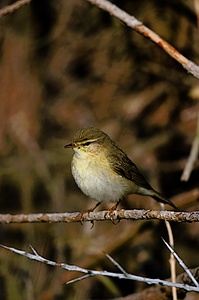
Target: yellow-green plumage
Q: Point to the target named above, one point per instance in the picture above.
(104, 172)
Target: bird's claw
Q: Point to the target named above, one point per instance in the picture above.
(111, 214)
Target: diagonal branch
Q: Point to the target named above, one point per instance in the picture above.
(181, 263)
(135, 24)
(12, 7)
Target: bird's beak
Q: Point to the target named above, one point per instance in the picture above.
(71, 145)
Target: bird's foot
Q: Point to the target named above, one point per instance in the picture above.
(81, 216)
(110, 213)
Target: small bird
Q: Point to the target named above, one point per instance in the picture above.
(104, 172)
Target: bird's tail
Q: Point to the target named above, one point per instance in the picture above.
(158, 197)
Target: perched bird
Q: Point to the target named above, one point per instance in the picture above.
(104, 172)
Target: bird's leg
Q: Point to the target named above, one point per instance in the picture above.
(111, 210)
(94, 207)
(114, 207)
(81, 215)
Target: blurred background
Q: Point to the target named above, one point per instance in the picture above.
(65, 65)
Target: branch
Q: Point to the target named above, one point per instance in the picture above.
(135, 24)
(162, 293)
(10, 8)
(172, 261)
(117, 215)
(90, 273)
(182, 264)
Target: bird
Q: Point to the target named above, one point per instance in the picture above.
(104, 172)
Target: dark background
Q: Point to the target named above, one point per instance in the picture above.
(65, 65)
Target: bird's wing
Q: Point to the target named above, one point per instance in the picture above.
(123, 166)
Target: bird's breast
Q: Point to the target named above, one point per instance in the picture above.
(96, 179)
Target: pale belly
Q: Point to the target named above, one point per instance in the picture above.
(98, 182)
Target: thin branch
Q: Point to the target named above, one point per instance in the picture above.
(181, 263)
(117, 215)
(10, 8)
(163, 293)
(135, 24)
(193, 156)
(89, 273)
(79, 278)
(116, 264)
(172, 259)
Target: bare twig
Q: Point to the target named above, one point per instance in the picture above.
(181, 263)
(10, 8)
(193, 156)
(172, 259)
(163, 293)
(89, 273)
(132, 22)
(135, 214)
(116, 264)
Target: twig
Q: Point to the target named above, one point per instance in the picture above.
(10, 8)
(79, 278)
(116, 264)
(163, 293)
(182, 264)
(89, 273)
(172, 259)
(135, 24)
(193, 156)
(171, 216)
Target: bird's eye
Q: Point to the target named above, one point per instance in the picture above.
(87, 143)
